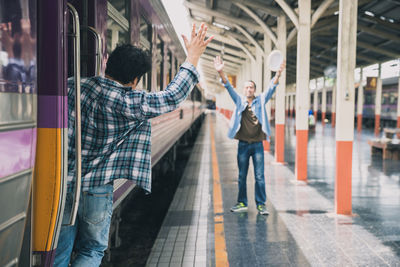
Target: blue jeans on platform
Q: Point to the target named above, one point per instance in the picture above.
(89, 235)
(256, 151)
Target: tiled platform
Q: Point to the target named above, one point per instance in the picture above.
(301, 229)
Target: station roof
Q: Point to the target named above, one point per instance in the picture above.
(378, 32)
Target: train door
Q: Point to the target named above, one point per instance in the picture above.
(17, 123)
(63, 54)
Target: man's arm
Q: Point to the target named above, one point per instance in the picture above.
(141, 105)
(219, 67)
(274, 82)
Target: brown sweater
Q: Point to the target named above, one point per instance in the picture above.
(250, 128)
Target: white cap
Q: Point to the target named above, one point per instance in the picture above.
(275, 60)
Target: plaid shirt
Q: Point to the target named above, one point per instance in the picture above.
(116, 131)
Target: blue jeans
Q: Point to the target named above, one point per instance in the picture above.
(89, 235)
(256, 151)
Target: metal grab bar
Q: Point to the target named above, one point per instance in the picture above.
(77, 74)
(98, 50)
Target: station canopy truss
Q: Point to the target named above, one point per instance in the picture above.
(378, 32)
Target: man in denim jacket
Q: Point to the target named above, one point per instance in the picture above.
(249, 124)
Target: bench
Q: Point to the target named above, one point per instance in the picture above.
(386, 147)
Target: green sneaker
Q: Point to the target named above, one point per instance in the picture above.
(239, 207)
(262, 209)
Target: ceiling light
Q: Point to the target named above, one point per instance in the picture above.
(221, 26)
(336, 13)
(369, 13)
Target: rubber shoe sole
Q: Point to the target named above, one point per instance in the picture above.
(263, 212)
(241, 209)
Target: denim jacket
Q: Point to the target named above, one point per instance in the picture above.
(257, 106)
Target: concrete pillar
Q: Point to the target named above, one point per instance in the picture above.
(323, 108)
(267, 79)
(378, 102)
(333, 111)
(291, 104)
(287, 99)
(346, 61)
(173, 67)
(315, 107)
(398, 104)
(153, 82)
(259, 71)
(280, 96)
(302, 88)
(360, 102)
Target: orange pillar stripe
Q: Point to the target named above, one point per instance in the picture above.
(359, 122)
(280, 143)
(333, 119)
(316, 116)
(377, 124)
(301, 155)
(221, 255)
(323, 118)
(344, 150)
(46, 187)
(267, 146)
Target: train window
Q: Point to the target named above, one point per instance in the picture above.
(117, 24)
(393, 98)
(145, 34)
(169, 66)
(145, 43)
(160, 62)
(369, 98)
(385, 98)
(329, 97)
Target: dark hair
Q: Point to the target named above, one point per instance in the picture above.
(128, 62)
(253, 84)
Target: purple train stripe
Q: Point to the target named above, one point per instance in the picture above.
(52, 111)
(17, 151)
(121, 190)
(46, 257)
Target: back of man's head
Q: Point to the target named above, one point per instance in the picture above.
(127, 62)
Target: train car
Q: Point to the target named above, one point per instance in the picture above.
(43, 43)
(389, 103)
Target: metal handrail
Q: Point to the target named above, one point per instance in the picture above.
(78, 152)
(98, 50)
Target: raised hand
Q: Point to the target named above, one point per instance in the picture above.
(281, 68)
(218, 64)
(279, 72)
(197, 45)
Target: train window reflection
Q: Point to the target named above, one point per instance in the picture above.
(117, 24)
(145, 43)
(159, 63)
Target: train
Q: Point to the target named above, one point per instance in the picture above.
(42, 44)
(389, 103)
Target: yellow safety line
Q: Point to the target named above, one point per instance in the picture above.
(221, 255)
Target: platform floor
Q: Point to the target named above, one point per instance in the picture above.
(301, 230)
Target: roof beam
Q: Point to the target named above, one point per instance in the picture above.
(378, 50)
(393, 26)
(262, 7)
(265, 28)
(219, 14)
(378, 33)
(225, 57)
(215, 30)
(320, 11)
(239, 44)
(248, 36)
(289, 12)
(227, 50)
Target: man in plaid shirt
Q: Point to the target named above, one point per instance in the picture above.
(116, 141)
